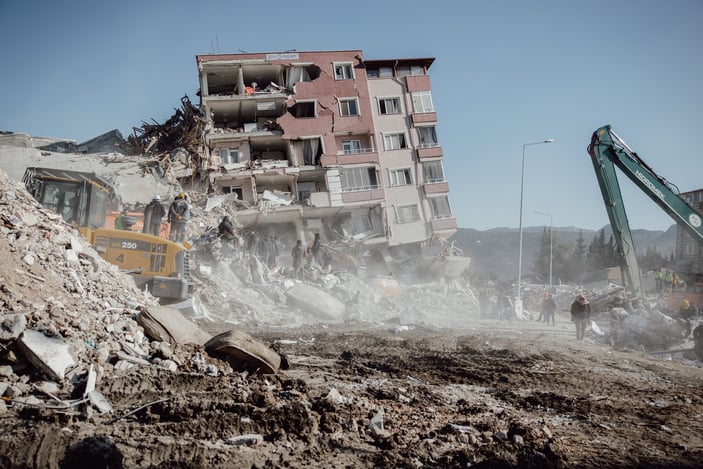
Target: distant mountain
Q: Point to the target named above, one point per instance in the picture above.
(496, 251)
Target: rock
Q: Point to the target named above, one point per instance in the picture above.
(316, 301)
(11, 326)
(48, 354)
(250, 439)
(170, 325)
(6, 370)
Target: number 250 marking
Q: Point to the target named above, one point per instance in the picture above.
(128, 245)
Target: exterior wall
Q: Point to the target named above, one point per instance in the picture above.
(219, 72)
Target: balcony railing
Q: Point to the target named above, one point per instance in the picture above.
(356, 151)
(360, 188)
(428, 145)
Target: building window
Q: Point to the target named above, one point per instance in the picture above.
(312, 151)
(433, 171)
(343, 71)
(358, 179)
(407, 213)
(399, 177)
(234, 190)
(381, 72)
(440, 207)
(302, 109)
(405, 70)
(351, 147)
(229, 155)
(389, 105)
(422, 102)
(394, 141)
(427, 136)
(348, 107)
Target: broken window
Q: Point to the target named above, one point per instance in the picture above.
(301, 72)
(394, 141)
(399, 177)
(427, 136)
(303, 109)
(389, 105)
(343, 71)
(348, 107)
(234, 190)
(312, 151)
(440, 207)
(407, 213)
(433, 171)
(358, 179)
(422, 101)
(229, 155)
(351, 147)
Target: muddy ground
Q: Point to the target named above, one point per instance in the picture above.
(496, 395)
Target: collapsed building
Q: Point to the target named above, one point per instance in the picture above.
(338, 145)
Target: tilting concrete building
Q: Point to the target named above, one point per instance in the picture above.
(336, 144)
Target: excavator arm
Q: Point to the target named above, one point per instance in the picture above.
(608, 151)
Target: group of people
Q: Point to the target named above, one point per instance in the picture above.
(668, 281)
(177, 216)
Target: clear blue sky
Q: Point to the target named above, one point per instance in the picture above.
(506, 73)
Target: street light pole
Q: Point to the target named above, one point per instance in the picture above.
(518, 299)
(551, 233)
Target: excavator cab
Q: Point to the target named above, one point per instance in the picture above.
(84, 200)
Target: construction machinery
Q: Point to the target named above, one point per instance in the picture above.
(85, 200)
(608, 151)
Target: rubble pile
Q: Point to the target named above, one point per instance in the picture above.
(68, 317)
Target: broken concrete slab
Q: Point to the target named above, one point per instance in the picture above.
(49, 355)
(243, 352)
(167, 324)
(316, 301)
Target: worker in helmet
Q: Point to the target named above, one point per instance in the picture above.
(154, 213)
(178, 216)
(687, 310)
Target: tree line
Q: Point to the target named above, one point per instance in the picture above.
(570, 261)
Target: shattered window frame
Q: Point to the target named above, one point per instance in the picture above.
(343, 70)
(399, 177)
(395, 141)
(433, 171)
(349, 107)
(422, 102)
(407, 213)
(440, 207)
(389, 106)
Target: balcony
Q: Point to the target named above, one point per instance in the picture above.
(444, 224)
(362, 194)
(424, 117)
(436, 187)
(431, 150)
(363, 155)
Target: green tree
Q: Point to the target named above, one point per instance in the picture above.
(576, 261)
(541, 266)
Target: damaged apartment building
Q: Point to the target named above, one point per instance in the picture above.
(340, 145)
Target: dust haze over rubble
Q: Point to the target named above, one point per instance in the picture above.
(384, 386)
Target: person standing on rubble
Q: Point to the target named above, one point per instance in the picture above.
(178, 215)
(580, 314)
(226, 231)
(154, 212)
(549, 308)
(316, 248)
(298, 253)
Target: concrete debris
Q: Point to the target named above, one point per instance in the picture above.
(167, 324)
(243, 352)
(316, 301)
(49, 355)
